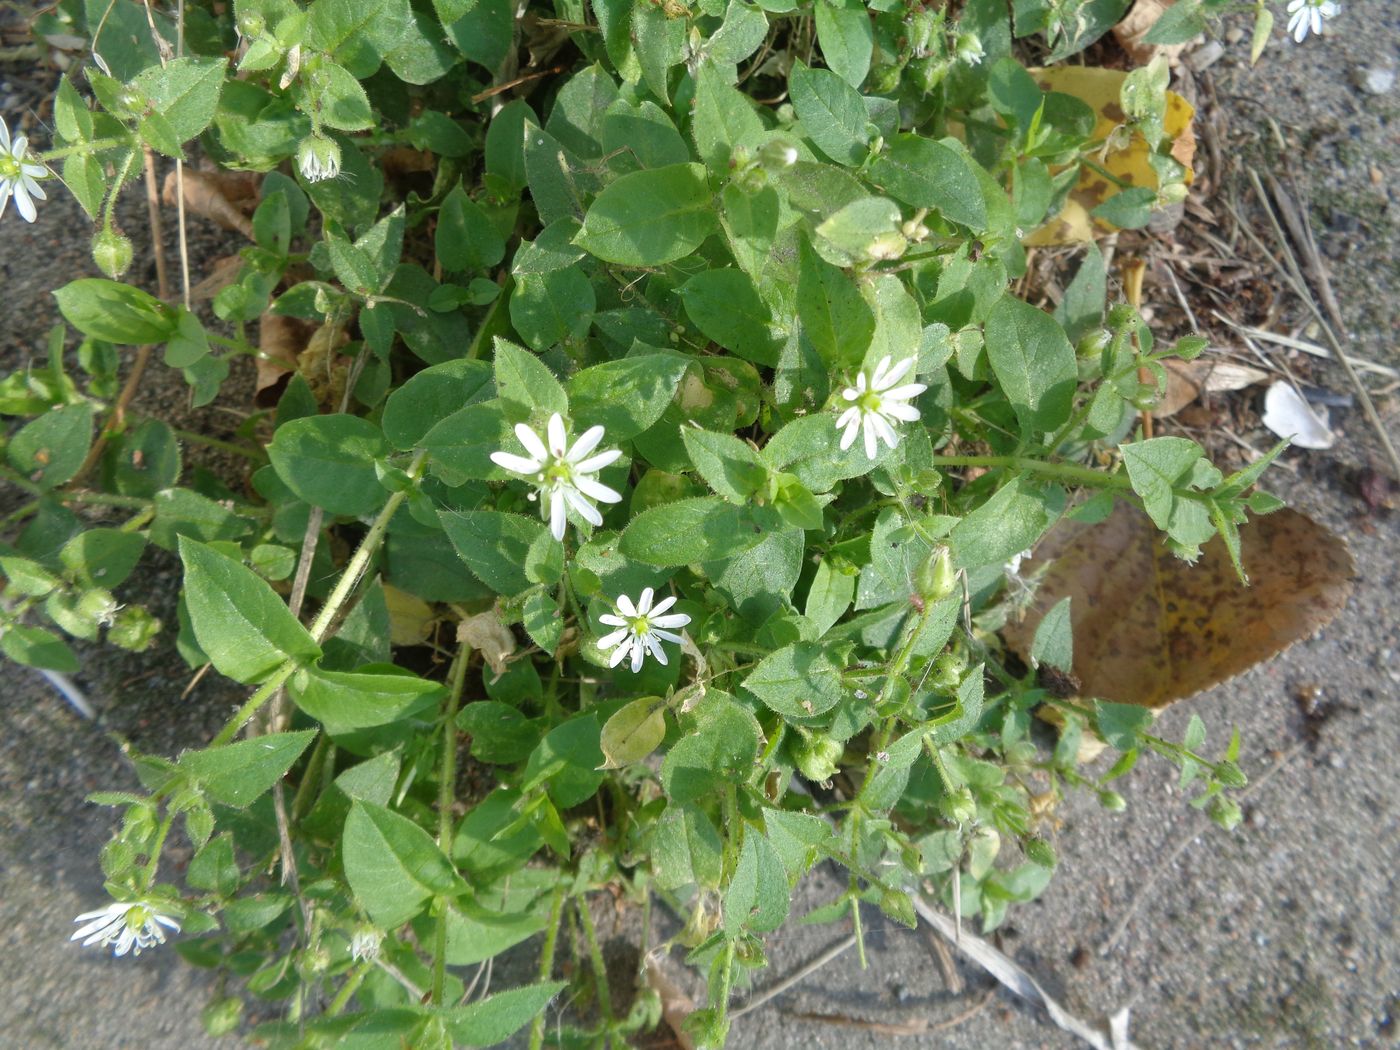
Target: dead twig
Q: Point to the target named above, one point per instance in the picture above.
(800, 975)
(918, 1026)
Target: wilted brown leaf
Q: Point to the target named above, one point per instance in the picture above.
(1188, 380)
(1102, 89)
(1150, 629)
(213, 195)
(485, 633)
(222, 273)
(1135, 26)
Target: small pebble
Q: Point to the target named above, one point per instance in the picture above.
(1377, 81)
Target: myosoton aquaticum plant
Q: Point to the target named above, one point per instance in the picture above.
(655, 435)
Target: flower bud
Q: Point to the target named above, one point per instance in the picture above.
(946, 674)
(1092, 345)
(318, 158)
(936, 577)
(1112, 801)
(111, 252)
(959, 806)
(1224, 811)
(251, 25)
(222, 1016)
(968, 48)
(740, 157)
(886, 246)
(817, 757)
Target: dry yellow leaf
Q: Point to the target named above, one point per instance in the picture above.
(1101, 89)
(410, 618)
(1150, 629)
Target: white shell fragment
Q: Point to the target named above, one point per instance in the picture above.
(1289, 416)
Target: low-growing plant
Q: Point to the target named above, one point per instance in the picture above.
(657, 435)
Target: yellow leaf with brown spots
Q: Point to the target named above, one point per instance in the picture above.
(1101, 89)
(1151, 629)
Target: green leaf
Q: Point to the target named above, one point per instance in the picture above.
(1177, 25)
(494, 545)
(1122, 725)
(832, 113)
(117, 313)
(142, 461)
(1081, 310)
(241, 624)
(633, 732)
(731, 467)
(1156, 468)
(467, 239)
(739, 36)
(102, 557)
(1013, 92)
(359, 33)
(799, 682)
(720, 119)
(568, 760)
(1130, 209)
(726, 307)
(651, 217)
(36, 647)
(237, 774)
(686, 849)
(551, 308)
(928, 174)
(500, 733)
(720, 750)
(834, 315)
(828, 596)
(49, 450)
(1033, 362)
(1054, 639)
(757, 897)
(328, 461)
(344, 702)
(496, 1018)
(522, 379)
(185, 91)
(658, 41)
(809, 448)
(690, 530)
(431, 396)
(339, 98)
(1011, 521)
(847, 38)
(625, 397)
(393, 866)
(759, 581)
(461, 445)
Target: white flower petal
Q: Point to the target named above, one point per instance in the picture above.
(611, 620)
(586, 510)
(669, 636)
(674, 620)
(638, 655)
(883, 428)
(877, 381)
(895, 374)
(585, 444)
(654, 646)
(620, 653)
(4, 136)
(20, 147)
(899, 410)
(610, 640)
(518, 464)
(557, 437)
(907, 392)
(35, 190)
(24, 204)
(871, 448)
(644, 602)
(661, 606)
(625, 604)
(596, 463)
(852, 428)
(532, 442)
(557, 517)
(597, 490)
(850, 393)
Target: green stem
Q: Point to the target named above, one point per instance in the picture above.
(595, 959)
(161, 833)
(226, 446)
(1067, 472)
(107, 499)
(306, 790)
(123, 170)
(348, 989)
(440, 953)
(320, 627)
(551, 942)
(91, 146)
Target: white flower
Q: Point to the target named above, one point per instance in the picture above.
(1307, 16)
(641, 629)
(17, 175)
(877, 404)
(318, 158)
(130, 925)
(364, 945)
(563, 474)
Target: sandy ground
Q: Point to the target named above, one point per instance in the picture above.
(1281, 934)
